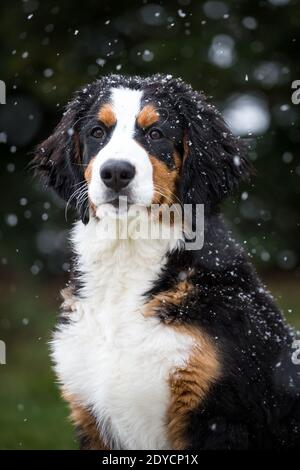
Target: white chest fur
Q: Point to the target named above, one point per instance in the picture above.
(111, 357)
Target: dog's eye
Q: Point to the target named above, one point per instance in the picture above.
(155, 134)
(97, 132)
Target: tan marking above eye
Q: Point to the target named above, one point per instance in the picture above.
(147, 116)
(107, 115)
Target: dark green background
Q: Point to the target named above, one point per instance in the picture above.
(43, 59)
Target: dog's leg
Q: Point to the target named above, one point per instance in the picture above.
(88, 433)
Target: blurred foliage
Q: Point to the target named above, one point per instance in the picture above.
(31, 414)
(230, 49)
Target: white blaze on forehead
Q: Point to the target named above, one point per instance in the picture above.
(126, 104)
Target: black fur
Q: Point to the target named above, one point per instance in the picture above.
(255, 403)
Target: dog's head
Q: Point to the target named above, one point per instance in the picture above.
(153, 140)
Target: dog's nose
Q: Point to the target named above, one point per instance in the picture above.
(117, 174)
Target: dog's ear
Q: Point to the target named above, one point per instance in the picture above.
(58, 161)
(214, 159)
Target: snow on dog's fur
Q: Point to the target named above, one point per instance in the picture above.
(157, 346)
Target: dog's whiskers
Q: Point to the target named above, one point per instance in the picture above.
(160, 188)
(73, 195)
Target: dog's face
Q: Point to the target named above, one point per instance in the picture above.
(131, 147)
(153, 140)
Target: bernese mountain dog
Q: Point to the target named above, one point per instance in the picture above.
(160, 346)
